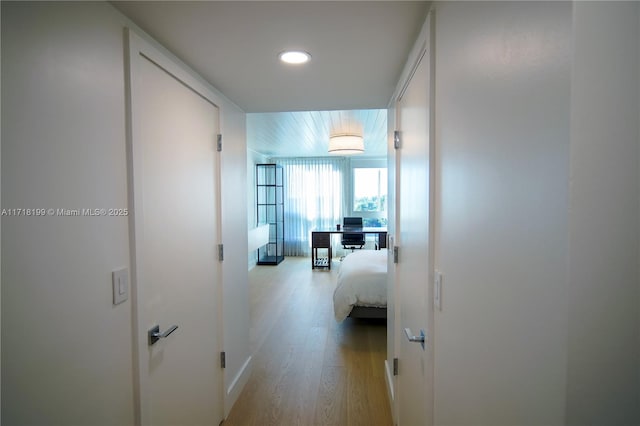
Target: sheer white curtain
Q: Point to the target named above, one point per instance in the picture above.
(314, 199)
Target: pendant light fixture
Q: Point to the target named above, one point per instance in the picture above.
(346, 144)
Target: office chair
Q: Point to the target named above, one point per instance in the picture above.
(352, 240)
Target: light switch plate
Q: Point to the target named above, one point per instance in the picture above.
(120, 281)
(437, 296)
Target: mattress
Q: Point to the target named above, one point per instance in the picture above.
(362, 281)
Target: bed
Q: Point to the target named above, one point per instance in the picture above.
(361, 290)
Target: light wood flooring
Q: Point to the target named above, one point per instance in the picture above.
(308, 369)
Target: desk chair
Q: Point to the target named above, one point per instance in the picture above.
(352, 240)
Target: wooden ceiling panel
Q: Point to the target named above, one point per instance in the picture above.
(306, 133)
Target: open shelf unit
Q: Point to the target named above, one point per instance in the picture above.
(270, 211)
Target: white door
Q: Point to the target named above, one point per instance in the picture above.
(414, 270)
(175, 268)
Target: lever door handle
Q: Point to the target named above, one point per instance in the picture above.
(155, 335)
(417, 339)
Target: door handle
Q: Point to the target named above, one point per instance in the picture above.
(417, 339)
(155, 335)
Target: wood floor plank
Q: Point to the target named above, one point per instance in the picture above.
(308, 369)
(331, 404)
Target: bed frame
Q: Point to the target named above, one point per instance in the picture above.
(368, 312)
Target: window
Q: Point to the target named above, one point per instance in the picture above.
(369, 186)
(314, 198)
(370, 190)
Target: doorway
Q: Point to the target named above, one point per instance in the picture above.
(174, 193)
(412, 337)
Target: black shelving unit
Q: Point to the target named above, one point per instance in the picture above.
(270, 210)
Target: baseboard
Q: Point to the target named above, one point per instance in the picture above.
(237, 384)
(388, 378)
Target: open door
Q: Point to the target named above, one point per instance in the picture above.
(414, 238)
(174, 175)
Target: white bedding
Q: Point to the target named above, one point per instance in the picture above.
(362, 281)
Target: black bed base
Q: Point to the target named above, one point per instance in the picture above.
(368, 312)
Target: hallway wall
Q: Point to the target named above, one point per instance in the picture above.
(603, 286)
(253, 158)
(502, 154)
(235, 277)
(538, 213)
(66, 349)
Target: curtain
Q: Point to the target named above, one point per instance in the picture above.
(313, 199)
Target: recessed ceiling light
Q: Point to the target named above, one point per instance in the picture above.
(294, 57)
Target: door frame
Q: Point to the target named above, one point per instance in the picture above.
(136, 46)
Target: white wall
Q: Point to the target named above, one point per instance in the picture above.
(537, 108)
(234, 269)
(253, 158)
(502, 154)
(66, 353)
(604, 350)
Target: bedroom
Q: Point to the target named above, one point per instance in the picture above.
(320, 189)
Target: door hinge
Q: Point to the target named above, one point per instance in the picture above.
(223, 359)
(220, 252)
(396, 139)
(395, 254)
(219, 145)
(395, 366)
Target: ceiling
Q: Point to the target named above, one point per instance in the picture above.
(358, 50)
(308, 131)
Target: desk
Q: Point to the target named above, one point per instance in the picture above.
(322, 240)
